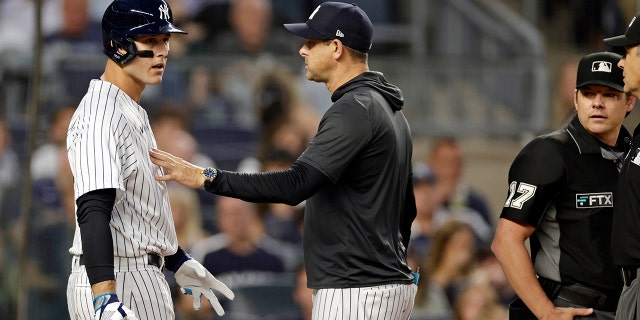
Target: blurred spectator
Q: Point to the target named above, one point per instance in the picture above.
(51, 229)
(64, 185)
(302, 295)
(490, 272)
(278, 102)
(282, 221)
(17, 25)
(459, 200)
(78, 36)
(563, 105)
(247, 29)
(249, 46)
(423, 227)
(51, 233)
(587, 23)
(212, 18)
(45, 158)
(78, 33)
(183, 12)
(241, 255)
(97, 8)
(478, 301)
(595, 20)
(251, 31)
(185, 207)
(171, 129)
(445, 271)
(285, 120)
(9, 166)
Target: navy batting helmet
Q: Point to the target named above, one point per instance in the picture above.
(126, 18)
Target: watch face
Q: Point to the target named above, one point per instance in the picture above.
(210, 173)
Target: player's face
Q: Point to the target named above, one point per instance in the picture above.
(317, 56)
(630, 63)
(149, 70)
(601, 110)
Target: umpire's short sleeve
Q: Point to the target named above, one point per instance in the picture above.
(535, 178)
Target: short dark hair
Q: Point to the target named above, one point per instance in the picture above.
(357, 56)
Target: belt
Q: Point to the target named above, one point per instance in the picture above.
(583, 296)
(629, 274)
(152, 260)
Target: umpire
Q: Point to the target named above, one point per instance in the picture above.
(626, 220)
(561, 191)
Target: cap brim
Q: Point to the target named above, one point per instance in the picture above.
(602, 83)
(621, 41)
(303, 30)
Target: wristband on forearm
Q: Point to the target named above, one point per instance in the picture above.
(175, 261)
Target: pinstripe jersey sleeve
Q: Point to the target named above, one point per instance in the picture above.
(107, 144)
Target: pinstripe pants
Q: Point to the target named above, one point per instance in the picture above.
(385, 302)
(140, 287)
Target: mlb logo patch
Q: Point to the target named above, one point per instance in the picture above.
(601, 66)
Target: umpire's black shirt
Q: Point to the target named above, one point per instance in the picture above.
(563, 183)
(626, 215)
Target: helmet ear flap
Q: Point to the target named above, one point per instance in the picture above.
(119, 52)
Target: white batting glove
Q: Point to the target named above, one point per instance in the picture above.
(196, 280)
(108, 307)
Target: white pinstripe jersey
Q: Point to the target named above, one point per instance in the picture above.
(108, 142)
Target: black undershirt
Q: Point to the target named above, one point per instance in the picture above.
(94, 214)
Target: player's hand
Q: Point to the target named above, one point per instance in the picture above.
(567, 313)
(196, 280)
(177, 169)
(108, 307)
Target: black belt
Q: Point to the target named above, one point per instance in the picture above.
(152, 260)
(628, 274)
(580, 295)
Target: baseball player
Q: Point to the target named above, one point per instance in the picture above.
(125, 233)
(562, 187)
(356, 174)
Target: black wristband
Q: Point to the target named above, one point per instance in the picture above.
(175, 261)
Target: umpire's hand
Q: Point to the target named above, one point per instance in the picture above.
(196, 280)
(109, 307)
(177, 169)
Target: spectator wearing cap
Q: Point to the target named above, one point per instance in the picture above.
(423, 227)
(355, 175)
(562, 188)
(625, 243)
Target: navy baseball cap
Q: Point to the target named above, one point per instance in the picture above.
(600, 68)
(630, 38)
(337, 20)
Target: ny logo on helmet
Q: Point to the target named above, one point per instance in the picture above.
(164, 12)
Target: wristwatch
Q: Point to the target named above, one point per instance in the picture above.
(210, 174)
